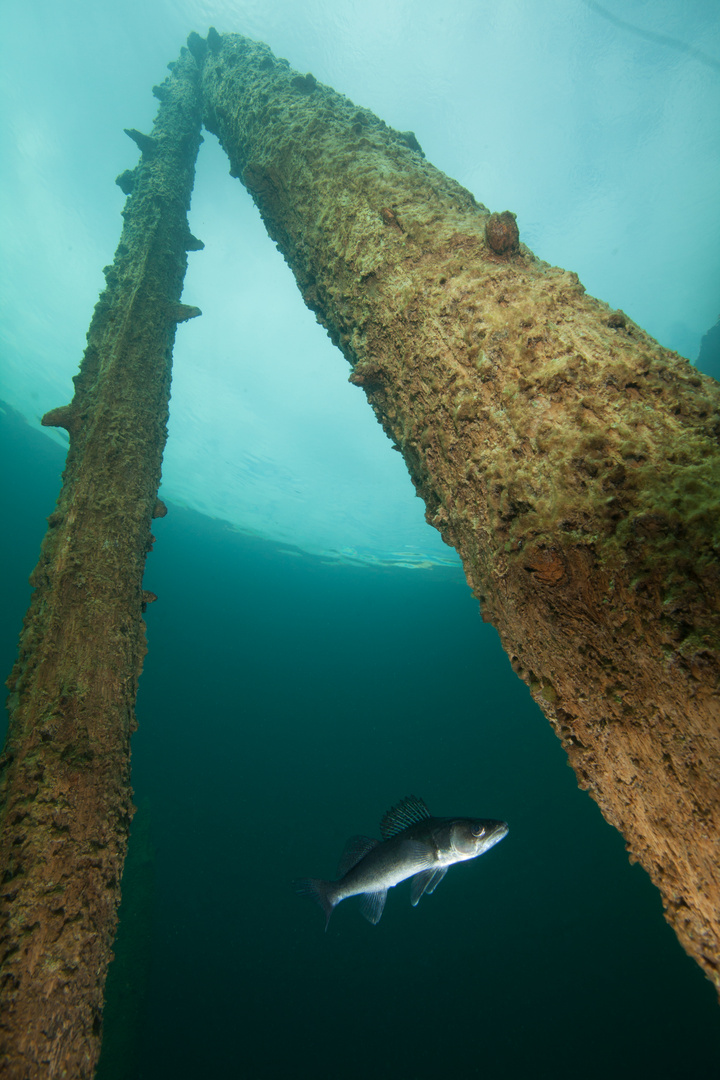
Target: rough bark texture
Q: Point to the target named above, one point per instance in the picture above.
(572, 461)
(66, 796)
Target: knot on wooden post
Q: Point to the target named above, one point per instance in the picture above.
(64, 416)
(502, 234)
(546, 565)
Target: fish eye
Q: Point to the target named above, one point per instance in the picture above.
(480, 831)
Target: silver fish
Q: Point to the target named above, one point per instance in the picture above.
(414, 845)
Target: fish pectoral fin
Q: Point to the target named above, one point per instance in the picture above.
(372, 905)
(426, 882)
(418, 854)
(355, 849)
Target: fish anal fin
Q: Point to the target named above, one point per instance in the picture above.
(355, 849)
(425, 882)
(372, 905)
(409, 811)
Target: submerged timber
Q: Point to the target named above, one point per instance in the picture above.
(65, 781)
(571, 460)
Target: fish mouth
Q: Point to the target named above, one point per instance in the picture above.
(499, 833)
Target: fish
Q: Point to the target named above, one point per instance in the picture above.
(414, 845)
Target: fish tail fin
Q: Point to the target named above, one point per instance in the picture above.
(320, 890)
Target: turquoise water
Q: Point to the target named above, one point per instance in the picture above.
(597, 124)
(315, 654)
(285, 705)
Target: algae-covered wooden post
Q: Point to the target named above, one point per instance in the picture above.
(66, 796)
(572, 462)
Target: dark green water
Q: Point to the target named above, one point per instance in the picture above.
(285, 705)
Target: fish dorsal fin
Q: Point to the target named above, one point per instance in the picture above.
(356, 849)
(408, 812)
(372, 904)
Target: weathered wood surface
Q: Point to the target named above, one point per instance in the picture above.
(571, 460)
(65, 781)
